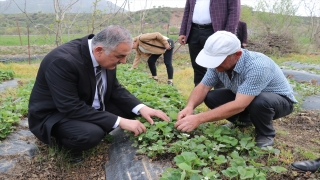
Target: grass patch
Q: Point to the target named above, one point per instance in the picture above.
(308, 154)
(7, 40)
(284, 133)
(286, 155)
(301, 58)
(22, 70)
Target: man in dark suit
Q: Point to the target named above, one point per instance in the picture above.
(242, 33)
(201, 19)
(68, 104)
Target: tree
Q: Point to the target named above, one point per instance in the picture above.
(60, 11)
(4, 5)
(277, 15)
(98, 19)
(312, 8)
(143, 14)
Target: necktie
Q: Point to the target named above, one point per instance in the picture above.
(100, 87)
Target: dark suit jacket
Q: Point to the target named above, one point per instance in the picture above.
(224, 14)
(65, 88)
(242, 32)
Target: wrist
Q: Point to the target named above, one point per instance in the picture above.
(201, 118)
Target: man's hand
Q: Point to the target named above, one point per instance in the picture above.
(147, 113)
(168, 47)
(182, 39)
(187, 124)
(184, 112)
(134, 126)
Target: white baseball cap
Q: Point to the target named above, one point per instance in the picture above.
(217, 47)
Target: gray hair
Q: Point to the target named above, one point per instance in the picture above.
(110, 37)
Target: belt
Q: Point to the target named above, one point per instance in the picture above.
(202, 26)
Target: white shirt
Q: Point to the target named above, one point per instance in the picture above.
(96, 102)
(201, 13)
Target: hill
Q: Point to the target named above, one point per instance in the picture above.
(162, 20)
(46, 6)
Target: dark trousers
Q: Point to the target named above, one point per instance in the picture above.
(167, 56)
(81, 135)
(261, 111)
(196, 41)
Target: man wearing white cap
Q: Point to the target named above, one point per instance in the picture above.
(255, 90)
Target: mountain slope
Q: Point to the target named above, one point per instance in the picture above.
(46, 6)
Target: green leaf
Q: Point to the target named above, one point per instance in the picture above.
(260, 176)
(237, 162)
(173, 115)
(230, 172)
(255, 164)
(183, 175)
(184, 166)
(161, 124)
(246, 172)
(205, 171)
(171, 174)
(228, 140)
(220, 159)
(278, 169)
(195, 176)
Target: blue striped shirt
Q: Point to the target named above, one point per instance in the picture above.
(254, 73)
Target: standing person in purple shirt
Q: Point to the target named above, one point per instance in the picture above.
(242, 33)
(201, 19)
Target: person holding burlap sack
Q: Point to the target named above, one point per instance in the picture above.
(152, 46)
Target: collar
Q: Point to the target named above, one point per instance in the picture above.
(94, 61)
(240, 64)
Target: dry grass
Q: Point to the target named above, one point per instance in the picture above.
(302, 58)
(22, 71)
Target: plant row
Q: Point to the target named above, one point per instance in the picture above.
(6, 75)
(13, 107)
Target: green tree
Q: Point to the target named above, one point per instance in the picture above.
(277, 16)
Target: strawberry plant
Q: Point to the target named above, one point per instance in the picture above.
(6, 75)
(13, 109)
(208, 152)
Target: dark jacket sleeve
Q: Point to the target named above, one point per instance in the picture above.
(244, 33)
(233, 15)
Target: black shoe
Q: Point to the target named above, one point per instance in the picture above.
(170, 83)
(76, 157)
(264, 141)
(311, 165)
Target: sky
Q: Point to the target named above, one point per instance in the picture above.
(136, 5)
(140, 4)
